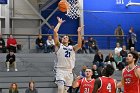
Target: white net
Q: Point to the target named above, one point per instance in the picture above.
(74, 9)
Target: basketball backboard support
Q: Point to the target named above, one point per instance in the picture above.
(130, 3)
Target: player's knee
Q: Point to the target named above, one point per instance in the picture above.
(60, 85)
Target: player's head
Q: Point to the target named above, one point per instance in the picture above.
(65, 39)
(88, 73)
(132, 57)
(108, 70)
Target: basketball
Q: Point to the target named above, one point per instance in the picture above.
(62, 6)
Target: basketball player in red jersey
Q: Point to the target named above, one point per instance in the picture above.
(105, 84)
(131, 75)
(86, 84)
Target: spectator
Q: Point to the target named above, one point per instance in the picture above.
(2, 44)
(118, 60)
(31, 88)
(92, 45)
(119, 34)
(13, 88)
(124, 54)
(118, 48)
(96, 72)
(50, 44)
(132, 38)
(11, 43)
(11, 60)
(84, 46)
(82, 72)
(110, 60)
(132, 49)
(40, 43)
(98, 59)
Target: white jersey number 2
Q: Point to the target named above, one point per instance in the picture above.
(109, 87)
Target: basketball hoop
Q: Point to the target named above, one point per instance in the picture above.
(74, 9)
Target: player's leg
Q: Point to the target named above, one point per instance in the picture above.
(60, 81)
(60, 85)
(69, 80)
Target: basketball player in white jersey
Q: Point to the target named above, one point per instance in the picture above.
(65, 58)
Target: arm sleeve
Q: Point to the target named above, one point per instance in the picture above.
(3, 42)
(97, 85)
(36, 41)
(95, 59)
(106, 59)
(48, 42)
(8, 43)
(15, 41)
(7, 58)
(14, 58)
(121, 59)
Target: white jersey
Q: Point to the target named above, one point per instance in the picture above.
(65, 57)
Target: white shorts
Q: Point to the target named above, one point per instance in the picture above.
(65, 76)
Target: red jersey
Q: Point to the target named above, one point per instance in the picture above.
(86, 86)
(131, 82)
(108, 85)
(11, 41)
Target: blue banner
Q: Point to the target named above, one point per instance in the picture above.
(3, 1)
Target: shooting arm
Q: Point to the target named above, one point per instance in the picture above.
(79, 44)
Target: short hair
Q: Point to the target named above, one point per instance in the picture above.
(108, 70)
(135, 55)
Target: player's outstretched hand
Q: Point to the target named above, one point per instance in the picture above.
(60, 20)
(78, 77)
(80, 28)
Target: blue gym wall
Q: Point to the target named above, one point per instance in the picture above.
(103, 18)
(105, 15)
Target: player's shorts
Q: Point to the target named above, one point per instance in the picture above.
(65, 76)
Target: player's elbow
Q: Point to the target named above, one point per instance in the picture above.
(73, 86)
(79, 45)
(55, 30)
(119, 85)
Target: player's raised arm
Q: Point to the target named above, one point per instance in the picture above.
(56, 38)
(97, 85)
(79, 44)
